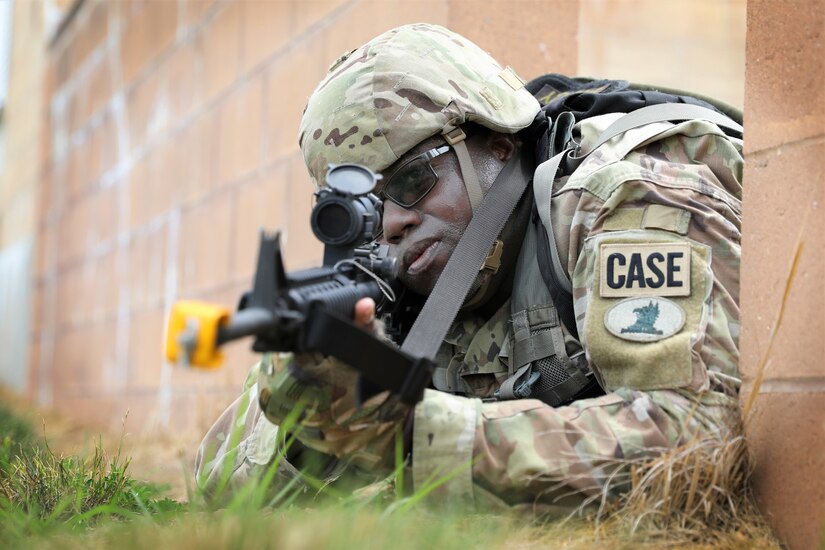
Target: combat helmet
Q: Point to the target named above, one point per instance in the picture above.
(404, 86)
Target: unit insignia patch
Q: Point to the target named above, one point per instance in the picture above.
(645, 319)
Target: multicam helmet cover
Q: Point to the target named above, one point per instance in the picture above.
(410, 83)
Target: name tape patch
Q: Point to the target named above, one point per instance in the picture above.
(644, 269)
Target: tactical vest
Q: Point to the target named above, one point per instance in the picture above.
(542, 365)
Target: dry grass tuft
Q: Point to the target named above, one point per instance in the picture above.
(696, 494)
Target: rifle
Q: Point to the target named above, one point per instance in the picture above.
(311, 310)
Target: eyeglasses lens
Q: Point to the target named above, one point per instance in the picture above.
(411, 182)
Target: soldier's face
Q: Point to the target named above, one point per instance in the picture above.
(424, 236)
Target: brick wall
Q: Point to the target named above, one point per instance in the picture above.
(696, 45)
(171, 131)
(783, 320)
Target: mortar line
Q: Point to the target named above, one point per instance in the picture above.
(767, 151)
(799, 384)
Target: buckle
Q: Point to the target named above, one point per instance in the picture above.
(493, 261)
(454, 136)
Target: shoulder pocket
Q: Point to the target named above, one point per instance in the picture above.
(647, 308)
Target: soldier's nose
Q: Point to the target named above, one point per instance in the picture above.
(398, 221)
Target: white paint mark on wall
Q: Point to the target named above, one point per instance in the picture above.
(170, 286)
(15, 300)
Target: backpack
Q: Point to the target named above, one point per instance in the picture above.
(556, 378)
(566, 101)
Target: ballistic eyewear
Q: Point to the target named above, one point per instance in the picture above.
(413, 180)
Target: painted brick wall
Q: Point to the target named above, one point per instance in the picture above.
(171, 139)
(696, 45)
(783, 320)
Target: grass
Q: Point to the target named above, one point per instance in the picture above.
(53, 501)
(699, 493)
(42, 492)
(692, 497)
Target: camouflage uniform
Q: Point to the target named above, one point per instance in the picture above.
(680, 190)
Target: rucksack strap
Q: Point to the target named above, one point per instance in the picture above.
(552, 271)
(663, 112)
(543, 189)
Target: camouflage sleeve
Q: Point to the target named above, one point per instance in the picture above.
(651, 242)
(526, 454)
(242, 444)
(333, 420)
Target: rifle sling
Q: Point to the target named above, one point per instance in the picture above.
(462, 268)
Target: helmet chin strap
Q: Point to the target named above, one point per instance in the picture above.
(456, 137)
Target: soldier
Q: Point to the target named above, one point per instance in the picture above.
(608, 333)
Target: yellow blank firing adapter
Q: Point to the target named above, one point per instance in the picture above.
(192, 336)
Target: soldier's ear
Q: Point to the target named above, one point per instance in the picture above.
(502, 146)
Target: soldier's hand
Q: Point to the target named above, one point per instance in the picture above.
(365, 316)
(365, 312)
(363, 433)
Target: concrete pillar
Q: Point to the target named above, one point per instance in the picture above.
(783, 319)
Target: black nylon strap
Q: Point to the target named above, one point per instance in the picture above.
(566, 392)
(462, 268)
